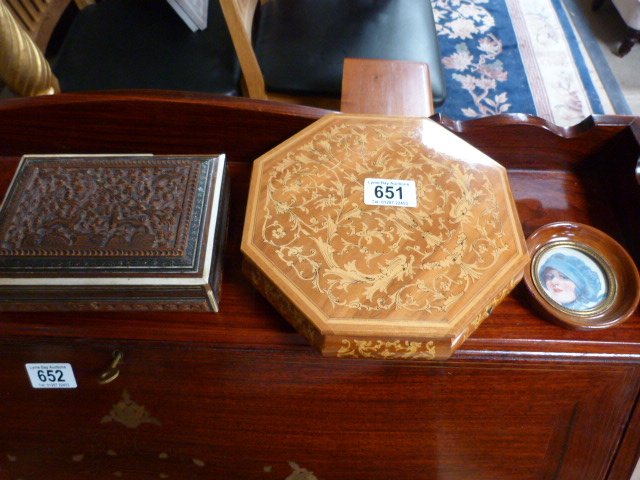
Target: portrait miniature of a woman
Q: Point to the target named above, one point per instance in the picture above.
(570, 282)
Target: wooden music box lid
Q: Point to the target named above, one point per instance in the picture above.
(113, 232)
(382, 237)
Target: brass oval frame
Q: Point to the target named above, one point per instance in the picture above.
(590, 252)
(624, 296)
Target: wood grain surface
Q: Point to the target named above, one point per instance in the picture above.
(365, 276)
(386, 87)
(240, 394)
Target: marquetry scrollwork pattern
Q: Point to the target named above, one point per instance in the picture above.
(396, 349)
(377, 259)
(286, 308)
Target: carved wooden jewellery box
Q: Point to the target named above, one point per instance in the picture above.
(113, 233)
(382, 237)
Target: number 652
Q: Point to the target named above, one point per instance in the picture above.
(50, 375)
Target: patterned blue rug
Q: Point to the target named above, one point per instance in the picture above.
(516, 56)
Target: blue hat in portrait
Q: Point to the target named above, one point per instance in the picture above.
(586, 280)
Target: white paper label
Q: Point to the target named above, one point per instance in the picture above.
(393, 193)
(51, 375)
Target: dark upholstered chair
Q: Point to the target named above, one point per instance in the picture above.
(136, 44)
(144, 44)
(297, 48)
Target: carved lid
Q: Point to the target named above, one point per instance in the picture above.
(327, 226)
(101, 218)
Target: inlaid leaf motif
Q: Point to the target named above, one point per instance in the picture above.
(377, 258)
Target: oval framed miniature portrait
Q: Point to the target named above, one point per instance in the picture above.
(574, 278)
(581, 277)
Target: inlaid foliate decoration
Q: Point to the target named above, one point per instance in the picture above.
(387, 349)
(398, 280)
(129, 413)
(286, 308)
(379, 259)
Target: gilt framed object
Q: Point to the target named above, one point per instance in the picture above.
(581, 277)
(113, 232)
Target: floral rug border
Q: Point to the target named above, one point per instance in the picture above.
(489, 46)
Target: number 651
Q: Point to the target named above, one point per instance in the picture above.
(388, 191)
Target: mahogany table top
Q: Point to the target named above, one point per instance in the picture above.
(585, 174)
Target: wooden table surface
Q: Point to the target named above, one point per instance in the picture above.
(544, 163)
(521, 399)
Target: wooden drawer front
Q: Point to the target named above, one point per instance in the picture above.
(206, 413)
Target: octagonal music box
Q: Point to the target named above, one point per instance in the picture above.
(382, 237)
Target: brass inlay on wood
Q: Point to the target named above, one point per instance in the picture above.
(300, 473)
(129, 413)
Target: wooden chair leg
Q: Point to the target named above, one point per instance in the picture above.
(23, 67)
(633, 37)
